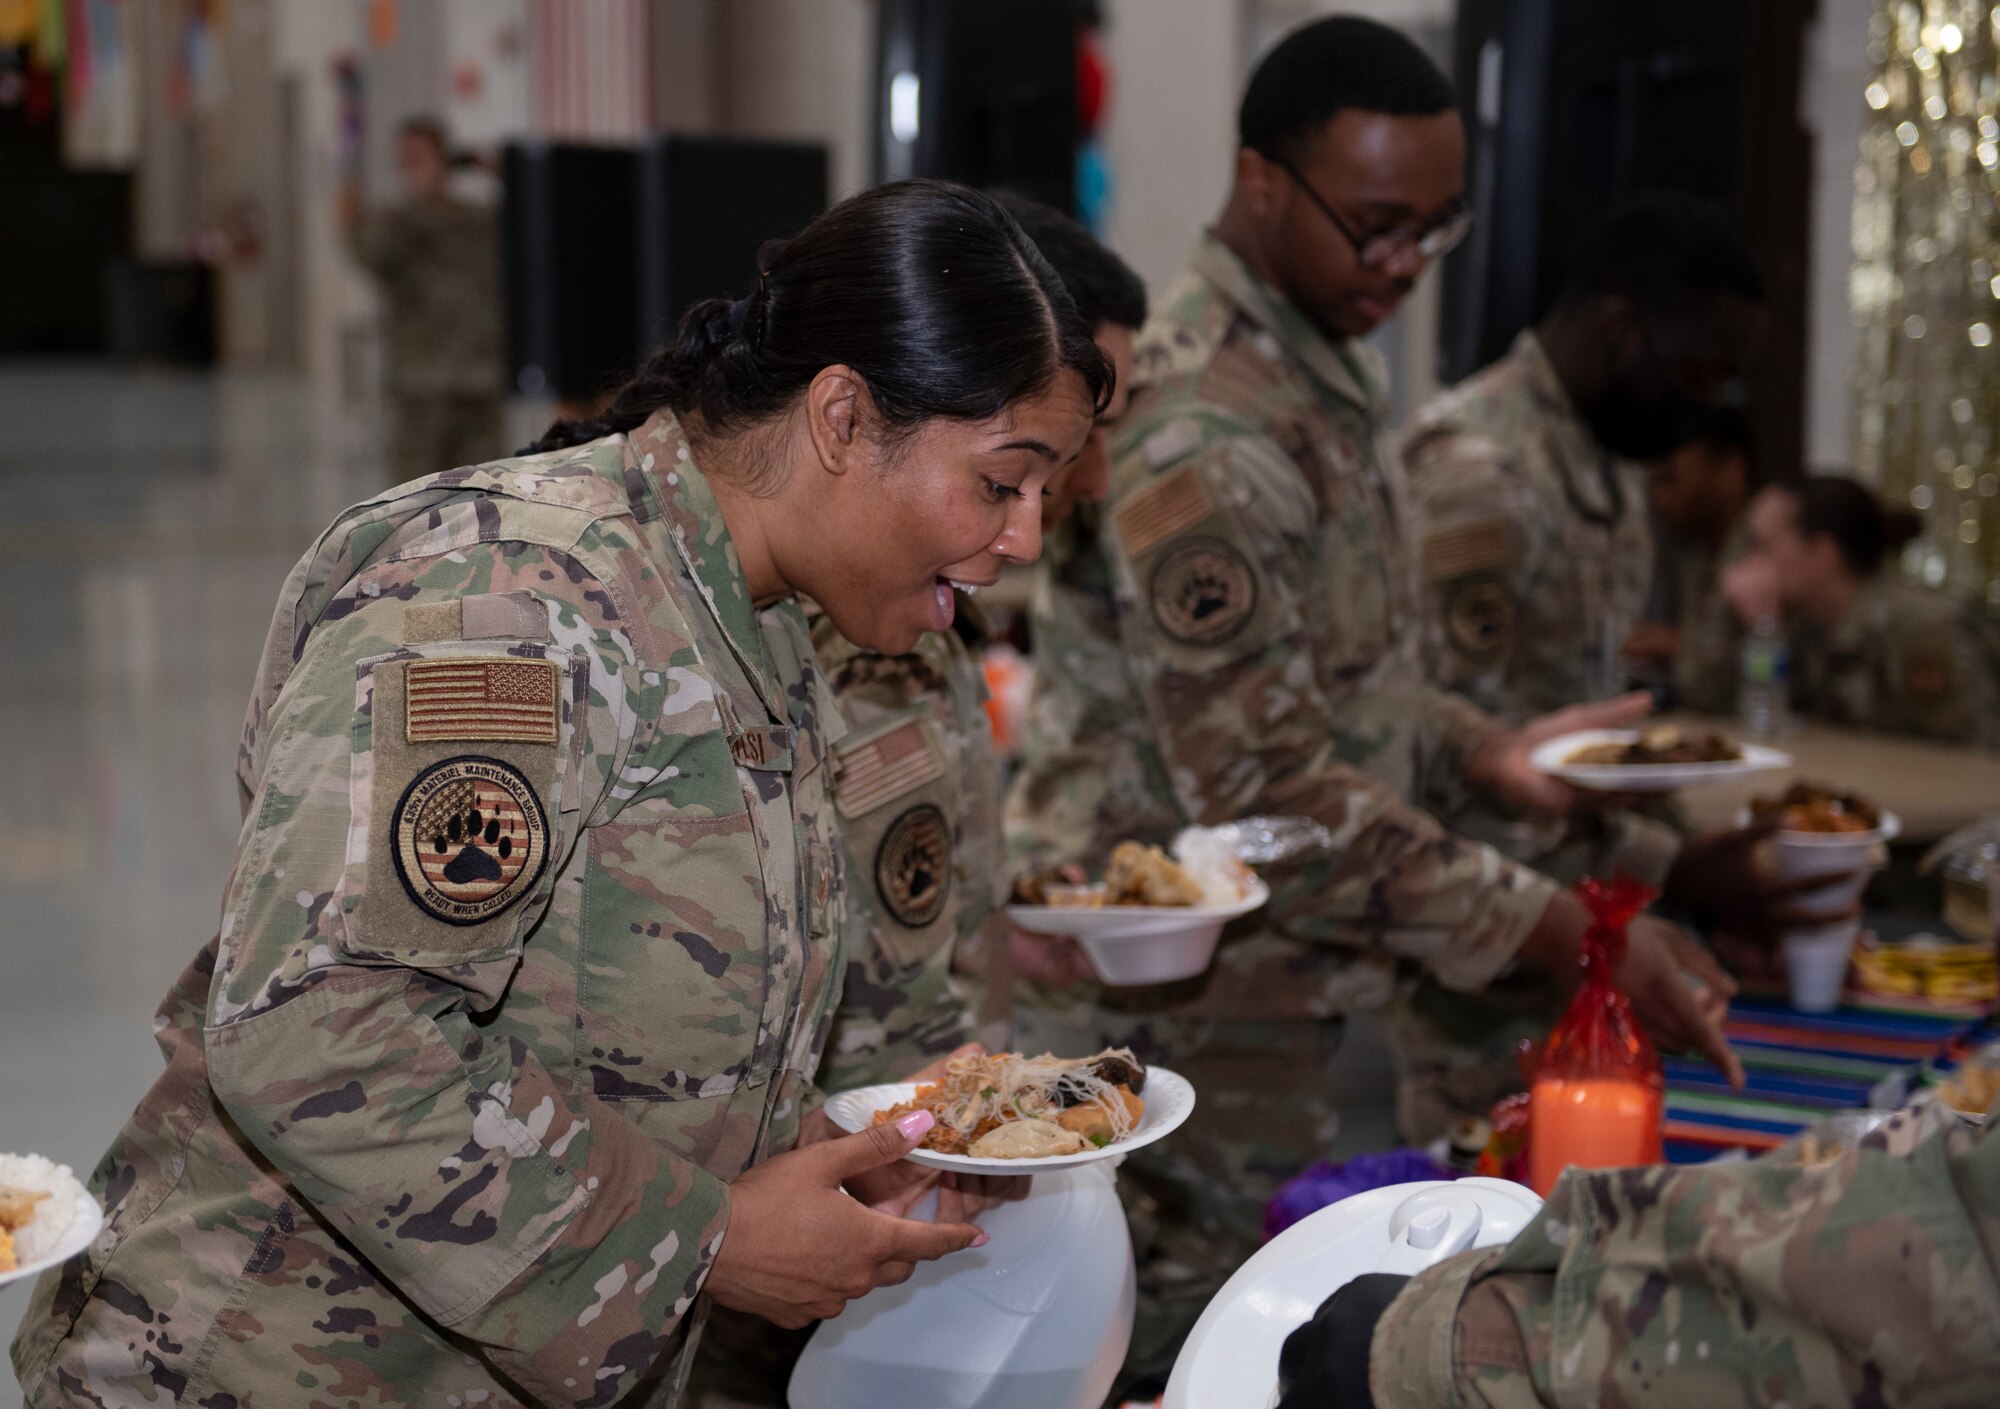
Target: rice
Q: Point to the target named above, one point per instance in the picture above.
(43, 1233)
(1209, 857)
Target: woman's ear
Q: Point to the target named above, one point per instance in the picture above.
(836, 405)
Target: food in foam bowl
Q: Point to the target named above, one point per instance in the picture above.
(1818, 809)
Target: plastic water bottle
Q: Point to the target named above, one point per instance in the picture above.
(1763, 691)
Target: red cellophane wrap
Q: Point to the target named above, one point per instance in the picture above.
(1596, 1099)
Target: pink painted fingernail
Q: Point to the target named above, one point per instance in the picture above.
(915, 1124)
(981, 1241)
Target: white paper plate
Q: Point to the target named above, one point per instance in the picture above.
(86, 1219)
(1169, 1102)
(1553, 757)
(1126, 921)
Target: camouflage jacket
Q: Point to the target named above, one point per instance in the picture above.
(1872, 1280)
(528, 950)
(1904, 658)
(438, 266)
(917, 786)
(1268, 649)
(1537, 544)
(1711, 636)
(1537, 554)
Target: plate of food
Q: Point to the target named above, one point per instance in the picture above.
(1003, 1113)
(1662, 759)
(46, 1216)
(1154, 918)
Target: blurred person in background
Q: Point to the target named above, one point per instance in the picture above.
(1700, 495)
(925, 869)
(1263, 655)
(493, 1080)
(435, 257)
(1535, 544)
(1868, 646)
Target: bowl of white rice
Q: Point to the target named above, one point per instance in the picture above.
(60, 1225)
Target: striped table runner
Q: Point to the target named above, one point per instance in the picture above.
(1800, 1068)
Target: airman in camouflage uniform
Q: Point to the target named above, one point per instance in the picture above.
(436, 261)
(529, 950)
(1868, 1280)
(917, 786)
(1537, 550)
(1903, 658)
(1245, 639)
(1537, 555)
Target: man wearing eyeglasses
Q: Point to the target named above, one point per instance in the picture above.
(1264, 657)
(1536, 548)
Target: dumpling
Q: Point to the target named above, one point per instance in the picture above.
(1027, 1139)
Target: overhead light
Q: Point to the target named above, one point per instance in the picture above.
(903, 107)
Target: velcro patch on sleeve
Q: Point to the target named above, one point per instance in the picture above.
(1174, 505)
(478, 697)
(1459, 552)
(875, 771)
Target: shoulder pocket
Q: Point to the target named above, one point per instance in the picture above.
(463, 794)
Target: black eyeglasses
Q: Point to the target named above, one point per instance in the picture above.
(1381, 247)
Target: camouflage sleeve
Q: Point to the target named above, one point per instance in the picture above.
(1738, 1284)
(377, 243)
(1479, 532)
(1211, 557)
(1943, 681)
(350, 1022)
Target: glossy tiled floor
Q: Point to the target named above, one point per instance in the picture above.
(146, 523)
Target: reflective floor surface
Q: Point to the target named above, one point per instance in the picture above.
(147, 521)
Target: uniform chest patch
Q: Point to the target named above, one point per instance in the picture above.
(913, 866)
(470, 838)
(1203, 591)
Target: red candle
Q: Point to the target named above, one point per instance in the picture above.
(1595, 1122)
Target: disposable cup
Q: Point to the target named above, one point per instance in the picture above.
(1816, 964)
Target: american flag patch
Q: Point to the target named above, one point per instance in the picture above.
(1178, 502)
(885, 767)
(475, 698)
(1479, 547)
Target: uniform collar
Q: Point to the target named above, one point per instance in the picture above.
(1343, 366)
(658, 450)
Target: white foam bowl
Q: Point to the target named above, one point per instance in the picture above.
(1803, 854)
(1141, 944)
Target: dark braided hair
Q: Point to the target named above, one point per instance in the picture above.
(1339, 62)
(928, 290)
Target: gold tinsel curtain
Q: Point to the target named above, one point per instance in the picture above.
(1926, 284)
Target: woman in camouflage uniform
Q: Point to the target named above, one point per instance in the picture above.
(1869, 647)
(482, 1092)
